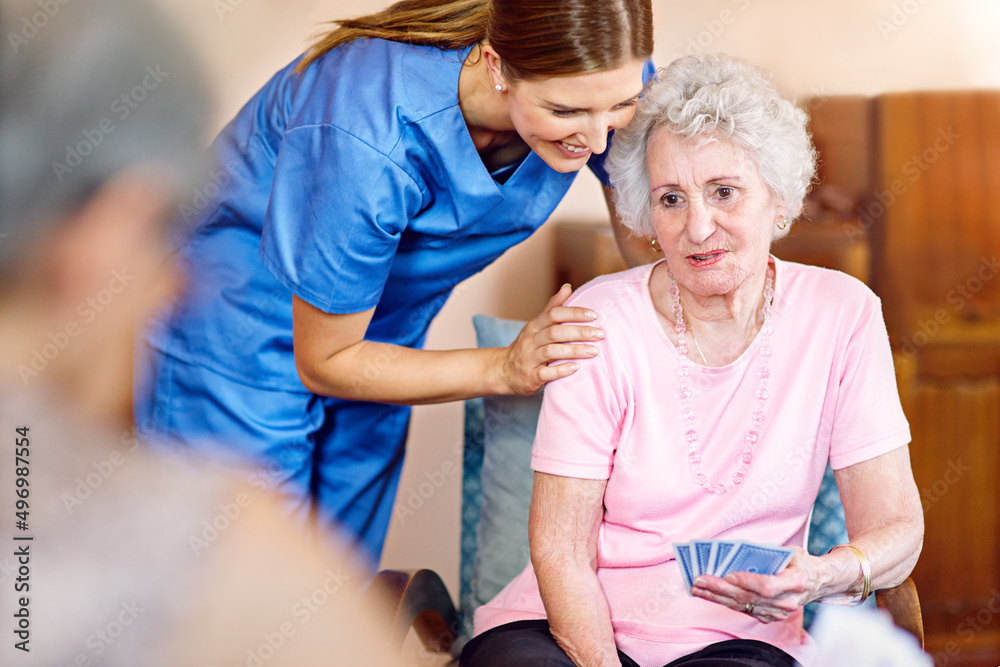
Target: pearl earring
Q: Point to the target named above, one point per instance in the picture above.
(499, 88)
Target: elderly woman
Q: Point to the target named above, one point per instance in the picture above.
(725, 371)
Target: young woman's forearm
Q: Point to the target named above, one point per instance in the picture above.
(384, 373)
(333, 358)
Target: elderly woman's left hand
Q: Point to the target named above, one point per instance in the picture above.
(766, 597)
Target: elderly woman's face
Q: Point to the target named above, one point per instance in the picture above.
(712, 213)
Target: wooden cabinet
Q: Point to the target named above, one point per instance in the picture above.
(938, 235)
(951, 396)
(935, 237)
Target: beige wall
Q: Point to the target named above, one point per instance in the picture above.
(813, 48)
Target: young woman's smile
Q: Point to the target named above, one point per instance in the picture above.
(566, 119)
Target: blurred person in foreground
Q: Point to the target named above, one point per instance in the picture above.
(725, 371)
(111, 557)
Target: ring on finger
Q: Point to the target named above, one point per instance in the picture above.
(747, 608)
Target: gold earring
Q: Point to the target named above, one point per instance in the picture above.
(655, 245)
(781, 224)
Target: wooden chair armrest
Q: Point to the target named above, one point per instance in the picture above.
(903, 605)
(417, 599)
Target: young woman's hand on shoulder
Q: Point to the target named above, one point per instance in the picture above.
(558, 334)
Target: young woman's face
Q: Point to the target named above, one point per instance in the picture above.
(565, 119)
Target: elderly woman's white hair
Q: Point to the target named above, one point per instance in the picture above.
(714, 97)
(62, 137)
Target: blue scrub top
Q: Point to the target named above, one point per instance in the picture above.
(353, 185)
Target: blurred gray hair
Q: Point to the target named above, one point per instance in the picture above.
(714, 97)
(63, 73)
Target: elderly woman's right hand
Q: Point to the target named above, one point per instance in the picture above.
(765, 597)
(884, 518)
(526, 364)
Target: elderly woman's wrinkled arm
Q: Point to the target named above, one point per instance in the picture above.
(565, 517)
(884, 519)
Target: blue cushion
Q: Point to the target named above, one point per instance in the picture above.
(501, 535)
(497, 481)
(472, 500)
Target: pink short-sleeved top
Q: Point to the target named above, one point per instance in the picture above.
(832, 397)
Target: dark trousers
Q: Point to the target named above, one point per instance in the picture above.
(530, 644)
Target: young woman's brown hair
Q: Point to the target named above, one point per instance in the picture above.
(534, 38)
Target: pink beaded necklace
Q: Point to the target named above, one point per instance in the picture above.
(687, 408)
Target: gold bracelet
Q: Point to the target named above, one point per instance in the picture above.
(866, 569)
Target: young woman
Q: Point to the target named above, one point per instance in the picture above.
(400, 155)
